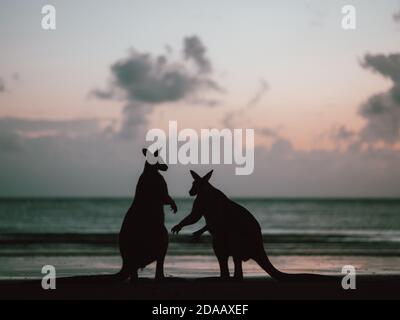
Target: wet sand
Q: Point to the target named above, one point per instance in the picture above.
(106, 287)
(191, 266)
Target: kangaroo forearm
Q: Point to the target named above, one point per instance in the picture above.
(168, 200)
(202, 230)
(189, 220)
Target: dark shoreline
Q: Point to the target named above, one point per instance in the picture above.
(185, 198)
(105, 287)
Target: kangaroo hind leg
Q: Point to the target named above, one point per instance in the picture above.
(123, 274)
(134, 276)
(238, 275)
(160, 269)
(223, 266)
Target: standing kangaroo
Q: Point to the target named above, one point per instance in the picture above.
(235, 232)
(143, 238)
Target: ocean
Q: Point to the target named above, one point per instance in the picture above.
(79, 237)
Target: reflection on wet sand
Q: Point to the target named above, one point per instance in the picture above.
(188, 266)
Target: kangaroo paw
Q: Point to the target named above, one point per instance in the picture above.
(238, 277)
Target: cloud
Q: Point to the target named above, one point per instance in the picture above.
(74, 157)
(87, 163)
(283, 171)
(144, 81)
(396, 17)
(25, 127)
(259, 95)
(153, 80)
(134, 120)
(268, 133)
(318, 12)
(382, 111)
(15, 77)
(79, 159)
(234, 118)
(342, 134)
(195, 50)
(16, 133)
(385, 65)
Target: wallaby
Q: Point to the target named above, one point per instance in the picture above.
(235, 232)
(143, 238)
(197, 234)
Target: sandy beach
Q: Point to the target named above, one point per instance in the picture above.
(105, 287)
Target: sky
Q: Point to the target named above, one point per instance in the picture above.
(76, 102)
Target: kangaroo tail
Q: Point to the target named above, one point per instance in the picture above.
(264, 262)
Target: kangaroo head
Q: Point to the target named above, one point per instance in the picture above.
(153, 161)
(199, 182)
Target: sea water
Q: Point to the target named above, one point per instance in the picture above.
(80, 236)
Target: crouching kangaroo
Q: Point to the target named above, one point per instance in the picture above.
(143, 238)
(235, 232)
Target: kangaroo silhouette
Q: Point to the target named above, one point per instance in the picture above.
(197, 234)
(143, 238)
(235, 232)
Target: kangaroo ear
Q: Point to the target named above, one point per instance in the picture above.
(144, 150)
(195, 175)
(208, 175)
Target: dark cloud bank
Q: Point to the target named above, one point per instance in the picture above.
(81, 158)
(396, 17)
(382, 111)
(93, 164)
(2, 86)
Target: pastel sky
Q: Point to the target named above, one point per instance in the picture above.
(285, 68)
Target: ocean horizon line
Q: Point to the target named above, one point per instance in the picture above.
(184, 198)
